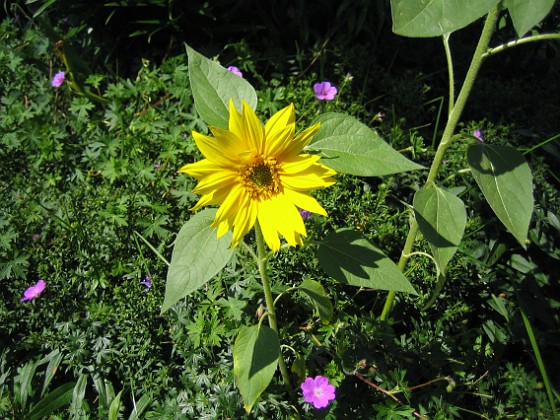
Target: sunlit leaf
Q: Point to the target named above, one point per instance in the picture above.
(198, 255)
(213, 86)
(527, 13)
(255, 358)
(348, 146)
(506, 181)
(350, 258)
(430, 18)
(441, 217)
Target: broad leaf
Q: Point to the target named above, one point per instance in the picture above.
(430, 18)
(198, 255)
(255, 358)
(350, 258)
(348, 146)
(505, 179)
(527, 13)
(213, 86)
(52, 402)
(314, 291)
(441, 217)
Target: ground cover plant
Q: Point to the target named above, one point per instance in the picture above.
(403, 255)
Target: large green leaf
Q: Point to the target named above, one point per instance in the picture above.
(506, 181)
(527, 13)
(197, 256)
(348, 146)
(350, 258)
(255, 358)
(441, 217)
(314, 291)
(213, 86)
(430, 18)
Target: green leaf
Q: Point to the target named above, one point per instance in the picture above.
(140, 406)
(314, 291)
(350, 258)
(115, 406)
(441, 217)
(54, 358)
(78, 393)
(198, 255)
(527, 13)
(430, 18)
(52, 402)
(213, 86)
(255, 358)
(348, 146)
(506, 181)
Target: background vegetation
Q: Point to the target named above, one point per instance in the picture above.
(90, 190)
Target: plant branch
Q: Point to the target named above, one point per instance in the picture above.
(520, 41)
(447, 138)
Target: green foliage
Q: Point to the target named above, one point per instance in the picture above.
(526, 14)
(435, 18)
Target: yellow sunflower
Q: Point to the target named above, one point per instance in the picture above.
(257, 173)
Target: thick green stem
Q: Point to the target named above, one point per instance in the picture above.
(261, 262)
(447, 137)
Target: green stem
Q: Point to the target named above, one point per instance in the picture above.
(450, 72)
(520, 41)
(261, 262)
(540, 362)
(447, 138)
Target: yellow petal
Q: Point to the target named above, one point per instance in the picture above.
(247, 127)
(286, 116)
(304, 201)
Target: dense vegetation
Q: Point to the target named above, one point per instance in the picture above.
(92, 202)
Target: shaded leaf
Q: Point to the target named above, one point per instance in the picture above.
(213, 86)
(314, 291)
(348, 146)
(350, 258)
(430, 18)
(441, 217)
(527, 13)
(198, 255)
(505, 179)
(255, 358)
(52, 402)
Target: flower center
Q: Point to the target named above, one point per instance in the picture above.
(318, 392)
(261, 178)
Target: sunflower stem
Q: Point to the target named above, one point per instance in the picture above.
(262, 258)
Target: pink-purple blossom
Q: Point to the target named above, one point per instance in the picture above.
(317, 391)
(305, 214)
(235, 71)
(147, 283)
(58, 79)
(34, 291)
(325, 91)
(478, 134)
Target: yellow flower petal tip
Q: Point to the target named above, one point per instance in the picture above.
(259, 173)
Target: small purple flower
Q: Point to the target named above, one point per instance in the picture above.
(35, 237)
(33, 291)
(156, 166)
(478, 134)
(325, 91)
(304, 214)
(235, 71)
(147, 283)
(317, 391)
(58, 79)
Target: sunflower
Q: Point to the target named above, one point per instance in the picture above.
(258, 174)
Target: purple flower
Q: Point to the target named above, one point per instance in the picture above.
(478, 134)
(304, 214)
(147, 283)
(35, 237)
(33, 291)
(235, 71)
(58, 79)
(325, 91)
(317, 391)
